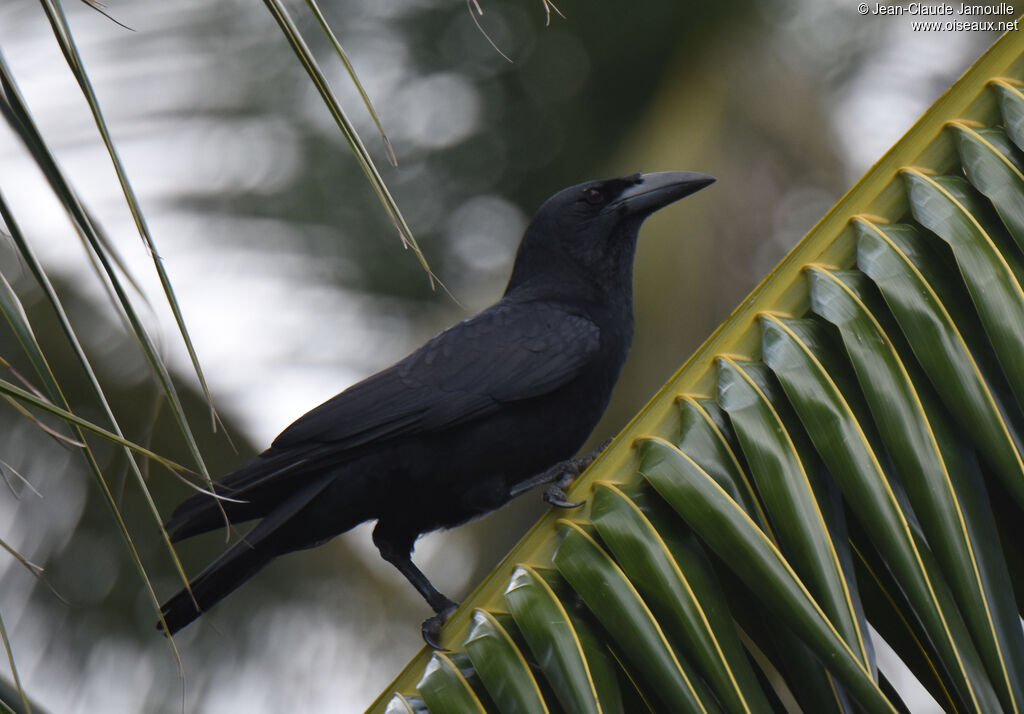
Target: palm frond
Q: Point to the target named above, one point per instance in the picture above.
(842, 455)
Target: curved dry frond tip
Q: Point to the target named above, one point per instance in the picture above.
(16, 392)
(366, 163)
(45, 428)
(475, 10)
(14, 669)
(102, 9)
(34, 570)
(548, 7)
(31, 567)
(13, 109)
(314, 7)
(7, 471)
(65, 39)
(16, 316)
(472, 5)
(16, 112)
(868, 388)
(79, 426)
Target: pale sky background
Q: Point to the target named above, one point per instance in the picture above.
(256, 316)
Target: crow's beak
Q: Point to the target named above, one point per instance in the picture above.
(659, 189)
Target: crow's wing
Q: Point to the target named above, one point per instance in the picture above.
(506, 353)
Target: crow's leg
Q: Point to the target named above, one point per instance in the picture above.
(560, 477)
(396, 548)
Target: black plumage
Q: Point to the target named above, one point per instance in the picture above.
(491, 405)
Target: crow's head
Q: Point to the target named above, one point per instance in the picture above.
(588, 232)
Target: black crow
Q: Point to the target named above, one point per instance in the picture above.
(491, 406)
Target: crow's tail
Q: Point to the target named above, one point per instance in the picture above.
(220, 578)
(250, 492)
(270, 538)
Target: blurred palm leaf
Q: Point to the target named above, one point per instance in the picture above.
(49, 398)
(319, 80)
(844, 454)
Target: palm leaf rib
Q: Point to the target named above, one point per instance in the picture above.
(826, 461)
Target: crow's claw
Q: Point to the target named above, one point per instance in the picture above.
(431, 628)
(556, 496)
(432, 631)
(562, 474)
(555, 493)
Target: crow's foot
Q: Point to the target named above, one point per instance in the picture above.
(432, 626)
(560, 477)
(555, 493)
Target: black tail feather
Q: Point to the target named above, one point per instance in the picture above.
(271, 537)
(250, 490)
(220, 578)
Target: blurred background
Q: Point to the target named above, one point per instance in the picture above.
(294, 284)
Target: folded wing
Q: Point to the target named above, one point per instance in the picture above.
(507, 353)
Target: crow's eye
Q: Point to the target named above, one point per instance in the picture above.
(593, 196)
